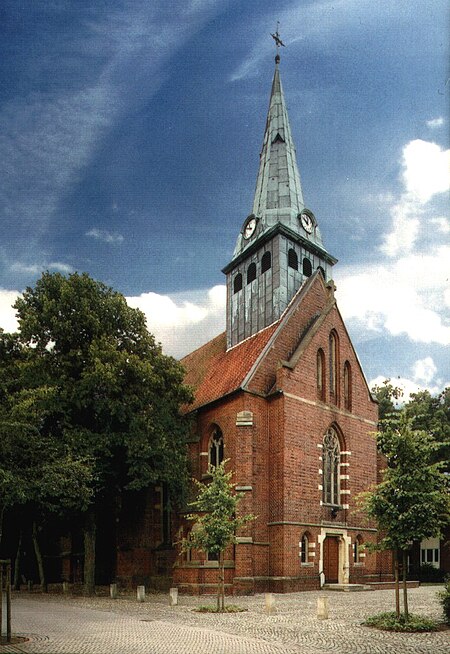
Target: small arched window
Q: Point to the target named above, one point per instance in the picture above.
(251, 273)
(292, 259)
(237, 283)
(307, 267)
(331, 467)
(304, 549)
(347, 386)
(357, 549)
(215, 449)
(266, 262)
(321, 374)
(334, 366)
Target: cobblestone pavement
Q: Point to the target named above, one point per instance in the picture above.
(60, 624)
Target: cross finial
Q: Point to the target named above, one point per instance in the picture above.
(278, 43)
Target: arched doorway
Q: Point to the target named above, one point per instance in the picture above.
(331, 559)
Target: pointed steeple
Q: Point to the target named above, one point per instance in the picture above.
(279, 245)
(278, 184)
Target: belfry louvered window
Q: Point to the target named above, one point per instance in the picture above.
(307, 267)
(251, 273)
(237, 283)
(266, 262)
(292, 259)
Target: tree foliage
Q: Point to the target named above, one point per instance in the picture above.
(216, 521)
(98, 391)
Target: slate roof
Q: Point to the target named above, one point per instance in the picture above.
(213, 371)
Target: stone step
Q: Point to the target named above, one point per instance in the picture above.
(346, 588)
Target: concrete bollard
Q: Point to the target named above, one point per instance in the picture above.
(30, 585)
(65, 586)
(113, 591)
(270, 604)
(322, 608)
(141, 593)
(173, 596)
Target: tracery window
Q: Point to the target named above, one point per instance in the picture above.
(292, 259)
(357, 548)
(251, 273)
(347, 386)
(266, 262)
(331, 460)
(304, 549)
(237, 283)
(215, 449)
(321, 374)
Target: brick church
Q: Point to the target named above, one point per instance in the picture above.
(282, 396)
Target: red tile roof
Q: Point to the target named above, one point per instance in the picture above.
(214, 372)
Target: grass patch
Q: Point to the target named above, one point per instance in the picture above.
(230, 608)
(390, 622)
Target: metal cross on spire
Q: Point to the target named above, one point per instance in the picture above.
(278, 43)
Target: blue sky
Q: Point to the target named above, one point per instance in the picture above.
(129, 144)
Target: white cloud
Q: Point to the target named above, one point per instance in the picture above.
(435, 122)
(184, 321)
(105, 236)
(426, 169)
(8, 320)
(423, 373)
(406, 296)
(36, 268)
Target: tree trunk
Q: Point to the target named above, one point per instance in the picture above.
(2, 513)
(222, 581)
(16, 582)
(39, 559)
(397, 586)
(89, 552)
(405, 587)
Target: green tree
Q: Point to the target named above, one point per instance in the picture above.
(216, 521)
(388, 397)
(412, 500)
(100, 387)
(431, 413)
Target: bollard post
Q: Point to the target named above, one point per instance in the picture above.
(322, 608)
(173, 596)
(270, 604)
(113, 591)
(30, 585)
(65, 587)
(141, 593)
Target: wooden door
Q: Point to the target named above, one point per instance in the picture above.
(331, 559)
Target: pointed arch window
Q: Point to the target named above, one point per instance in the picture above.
(304, 549)
(215, 448)
(251, 273)
(307, 267)
(331, 461)
(334, 366)
(347, 386)
(237, 283)
(321, 374)
(266, 262)
(357, 549)
(292, 259)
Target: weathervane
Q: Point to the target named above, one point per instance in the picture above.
(278, 43)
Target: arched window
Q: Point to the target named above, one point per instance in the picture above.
(215, 449)
(331, 461)
(304, 549)
(292, 259)
(357, 549)
(307, 267)
(237, 283)
(334, 366)
(347, 386)
(251, 273)
(266, 262)
(321, 374)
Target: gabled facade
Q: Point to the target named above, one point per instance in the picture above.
(282, 396)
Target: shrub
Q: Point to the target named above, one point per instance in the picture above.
(444, 598)
(390, 622)
(426, 573)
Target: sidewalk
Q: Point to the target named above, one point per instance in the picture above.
(57, 624)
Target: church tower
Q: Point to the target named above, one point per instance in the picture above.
(279, 245)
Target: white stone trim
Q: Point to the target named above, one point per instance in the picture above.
(346, 491)
(343, 477)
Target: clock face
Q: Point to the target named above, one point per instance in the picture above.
(307, 222)
(249, 228)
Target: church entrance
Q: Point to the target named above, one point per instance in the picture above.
(331, 559)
